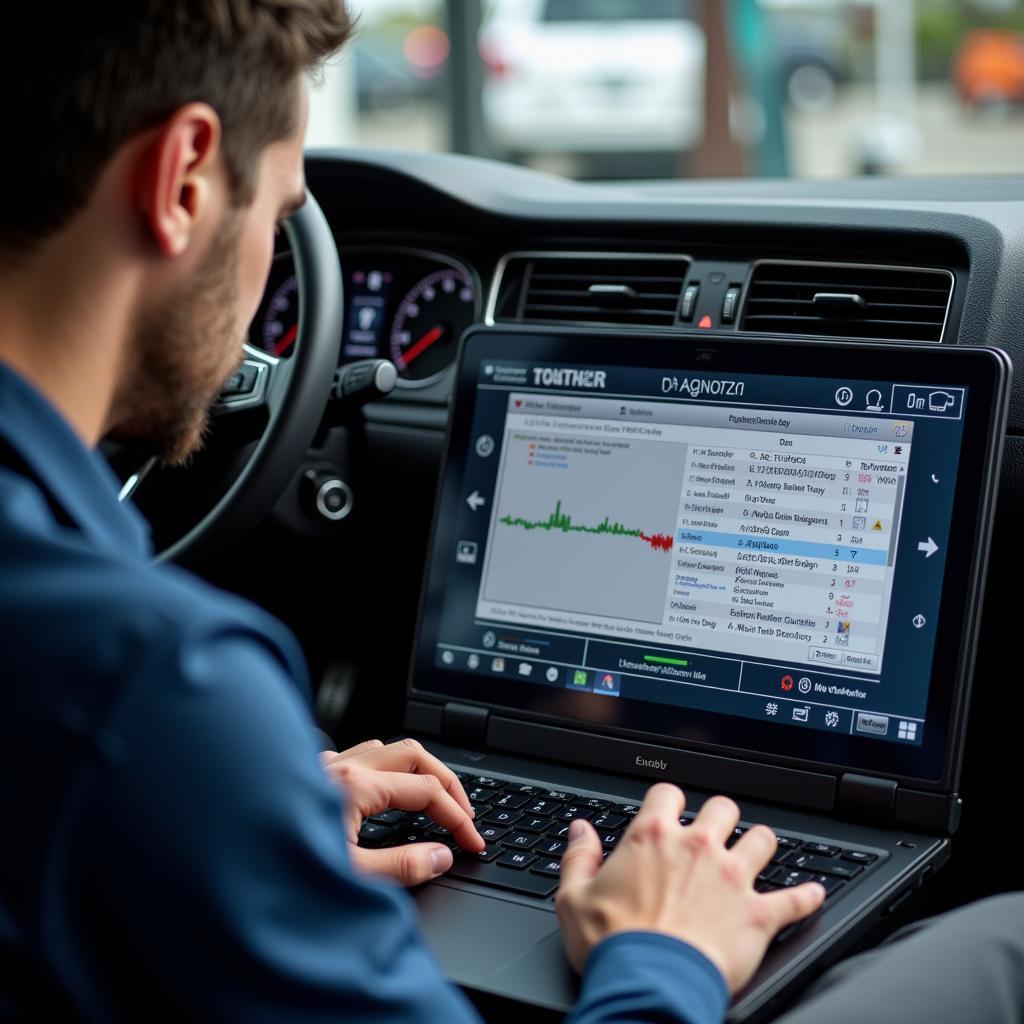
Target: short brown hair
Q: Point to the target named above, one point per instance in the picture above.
(80, 79)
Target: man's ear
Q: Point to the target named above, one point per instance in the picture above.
(178, 175)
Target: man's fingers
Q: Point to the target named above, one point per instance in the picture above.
(583, 856)
(718, 816)
(361, 748)
(410, 865)
(755, 848)
(663, 800)
(426, 793)
(788, 906)
(410, 756)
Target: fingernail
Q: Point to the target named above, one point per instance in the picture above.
(576, 830)
(440, 860)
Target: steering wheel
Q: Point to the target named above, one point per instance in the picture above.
(290, 393)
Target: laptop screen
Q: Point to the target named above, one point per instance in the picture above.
(752, 554)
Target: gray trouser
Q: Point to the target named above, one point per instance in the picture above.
(966, 966)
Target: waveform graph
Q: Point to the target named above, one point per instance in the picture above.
(583, 525)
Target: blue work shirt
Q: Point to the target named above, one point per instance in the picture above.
(172, 846)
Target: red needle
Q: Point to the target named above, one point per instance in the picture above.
(284, 344)
(423, 344)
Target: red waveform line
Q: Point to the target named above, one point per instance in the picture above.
(658, 541)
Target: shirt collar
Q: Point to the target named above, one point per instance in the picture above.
(77, 479)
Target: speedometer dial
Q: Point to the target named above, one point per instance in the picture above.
(426, 329)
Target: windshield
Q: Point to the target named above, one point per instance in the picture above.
(612, 89)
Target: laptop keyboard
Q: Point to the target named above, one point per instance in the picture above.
(526, 828)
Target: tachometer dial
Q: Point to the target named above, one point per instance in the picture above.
(426, 329)
(280, 325)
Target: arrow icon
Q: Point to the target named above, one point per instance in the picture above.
(474, 501)
(929, 547)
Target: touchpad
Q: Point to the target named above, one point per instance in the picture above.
(474, 937)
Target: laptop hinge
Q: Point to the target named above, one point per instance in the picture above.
(463, 725)
(863, 798)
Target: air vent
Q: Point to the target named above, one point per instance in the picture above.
(847, 300)
(589, 288)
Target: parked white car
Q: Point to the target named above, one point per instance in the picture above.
(592, 76)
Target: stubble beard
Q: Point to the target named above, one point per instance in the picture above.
(184, 349)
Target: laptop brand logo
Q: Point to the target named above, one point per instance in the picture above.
(568, 378)
(646, 762)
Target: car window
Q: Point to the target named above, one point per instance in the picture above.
(632, 89)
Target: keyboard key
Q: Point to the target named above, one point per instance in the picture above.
(560, 796)
(734, 838)
(419, 821)
(550, 847)
(487, 854)
(787, 842)
(822, 865)
(549, 868)
(403, 837)
(789, 878)
(629, 810)
(516, 787)
(531, 824)
(502, 817)
(822, 849)
(543, 807)
(574, 811)
(510, 800)
(491, 833)
(463, 776)
(481, 794)
(388, 817)
(831, 883)
(521, 841)
(516, 859)
(485, 780)
(596, 803)
(760, 886)
(501, 878)
(768, 874)
(609, 840)
(859, 857)
(609, 821)
(560, 830)
(371, 832)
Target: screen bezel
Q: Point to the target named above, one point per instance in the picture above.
(935, 764)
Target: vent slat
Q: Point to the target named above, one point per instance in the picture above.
(558, 289)
(780, 301)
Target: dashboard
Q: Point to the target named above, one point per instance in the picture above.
(404, 304)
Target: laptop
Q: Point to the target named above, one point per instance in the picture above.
(747, 567)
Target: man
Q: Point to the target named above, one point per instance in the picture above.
(173, 846)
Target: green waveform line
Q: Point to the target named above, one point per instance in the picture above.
(562, 521)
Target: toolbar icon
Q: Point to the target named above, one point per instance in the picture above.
(844, 396)
(465, 552)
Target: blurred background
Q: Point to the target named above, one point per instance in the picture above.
(611, 89)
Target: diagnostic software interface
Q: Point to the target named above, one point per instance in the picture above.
(765, 546)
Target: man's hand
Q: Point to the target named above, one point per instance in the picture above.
(680, 881)
(402, 775)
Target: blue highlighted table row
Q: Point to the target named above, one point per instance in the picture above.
(783, 546)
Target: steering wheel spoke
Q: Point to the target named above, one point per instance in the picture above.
(250, 387)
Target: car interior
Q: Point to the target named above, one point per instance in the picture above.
(316, 494)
